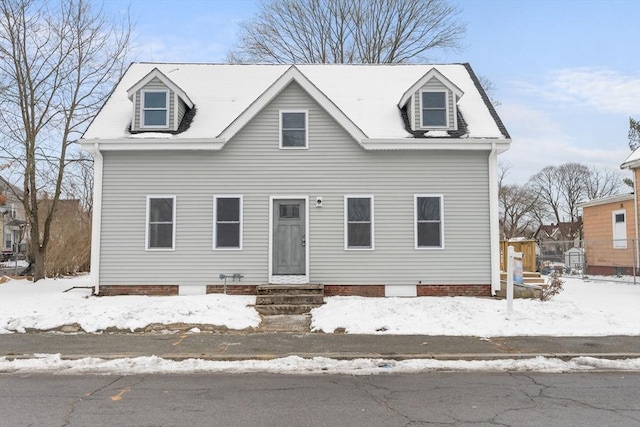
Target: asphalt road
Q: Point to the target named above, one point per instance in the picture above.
(435, 399)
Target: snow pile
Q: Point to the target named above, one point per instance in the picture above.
(297, 365)
(43, 305)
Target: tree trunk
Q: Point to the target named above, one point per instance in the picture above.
(38, 264)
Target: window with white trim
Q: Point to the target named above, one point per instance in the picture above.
(227, 230)
(293, 129)
(428, 223)
(155, 109)
(161, 224)
(433, 109)
(358, 222)
(618, 219)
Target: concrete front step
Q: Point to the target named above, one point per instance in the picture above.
(289, 299)
(275, 309)
(279, 299)
(272, 289)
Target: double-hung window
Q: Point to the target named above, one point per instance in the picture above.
(433, 106)
(155, 109)
(428, 223)
(227, 230)
(161, 223)
(358, 213)
(293, 129)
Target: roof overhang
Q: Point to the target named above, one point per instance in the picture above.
(169, 144)
(155, 73)
(293, 74)
(606, 200)
(473, 144)
(432, 73)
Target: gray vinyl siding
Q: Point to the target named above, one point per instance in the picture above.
(182, 109)
(154, 84)
(335, 165)
(434, 84)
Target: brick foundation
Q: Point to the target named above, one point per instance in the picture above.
(329, 290)
(233, 289)
(354, 290)
(151, 290)
(606, 270)
(454, 290)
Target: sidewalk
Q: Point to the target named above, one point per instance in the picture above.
(263, 346)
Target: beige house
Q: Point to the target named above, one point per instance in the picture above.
(611, 229)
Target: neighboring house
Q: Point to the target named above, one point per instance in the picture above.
(368, 179)
(610, 229)
(12, 221)
(562, 231)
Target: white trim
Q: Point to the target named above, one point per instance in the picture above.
(96, 217)
(306, 129)
(304, 279)
(494, 221)
(215, 221)
(346, 225)
(173, 223)
(155, 73)
(293, 74)
(432, 73)
(415, 222)
(169, 143)
(176, 109)
(446, 109)
(454, 144)
(619, 242)
(142, 109)
(606, 200)
(173, 143)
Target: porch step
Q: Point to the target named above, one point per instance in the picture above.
(275, 299)
(531, 288)
(283, 309)
(276, 289)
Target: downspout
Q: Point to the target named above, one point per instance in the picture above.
(635, 209)
(494, 219)
(96, 218)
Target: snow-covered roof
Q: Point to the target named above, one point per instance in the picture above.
(633, 161)
(365, 95)
(616, 198)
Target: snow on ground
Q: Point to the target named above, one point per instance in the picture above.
(300, 366)
(43, 305)
(584, 308)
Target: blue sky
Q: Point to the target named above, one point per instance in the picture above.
(567, 72)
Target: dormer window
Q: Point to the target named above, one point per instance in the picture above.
(155, 109)
(433, 108)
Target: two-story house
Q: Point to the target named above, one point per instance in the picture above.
(12, 221)
(367, 179)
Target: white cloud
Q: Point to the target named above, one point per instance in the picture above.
(598, 88)
(541, 139)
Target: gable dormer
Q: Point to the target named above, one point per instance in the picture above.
(431, 104)
(159, 105)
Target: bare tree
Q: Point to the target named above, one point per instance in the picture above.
(348, 31)
(58, 62)
(562, 188)
(602, 182)
(517, 205)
